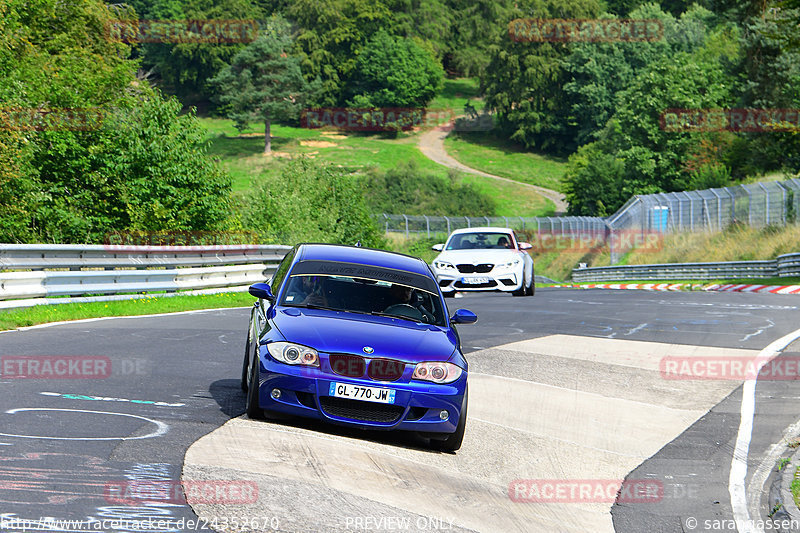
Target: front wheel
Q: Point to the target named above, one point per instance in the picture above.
(254, 410)
(453, 441)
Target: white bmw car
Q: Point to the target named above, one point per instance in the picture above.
(484, 259)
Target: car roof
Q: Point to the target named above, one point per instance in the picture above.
(483, 229)
(361, 256)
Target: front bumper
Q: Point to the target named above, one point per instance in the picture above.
(502, 281)
(305, 392)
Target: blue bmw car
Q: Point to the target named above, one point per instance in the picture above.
(357, 337)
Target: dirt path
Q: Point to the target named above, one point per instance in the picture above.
(431, 144)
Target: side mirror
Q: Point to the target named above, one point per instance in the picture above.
(463, 316)
(437, 247)
(525, 246)
(262, 290)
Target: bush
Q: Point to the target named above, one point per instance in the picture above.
(407, 189)
(309, 202)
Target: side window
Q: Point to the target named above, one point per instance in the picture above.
(280, 273)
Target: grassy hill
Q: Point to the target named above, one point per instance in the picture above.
(241, 154)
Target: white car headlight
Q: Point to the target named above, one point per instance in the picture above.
(443, 265)
(293, 354)
(437, 372)
(511, 264)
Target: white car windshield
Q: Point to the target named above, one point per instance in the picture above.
(480, 241)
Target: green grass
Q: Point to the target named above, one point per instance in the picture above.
(456, 93)
(242, 156)
(30, 316)
(484, 151)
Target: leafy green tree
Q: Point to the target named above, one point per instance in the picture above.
(477, 24)
(264, 81)
(141, 167)
(309, 202)
(331, 34)
(184, 69)
(523, 82)
(394, 72)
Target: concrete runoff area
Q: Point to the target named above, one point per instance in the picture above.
(556, 425)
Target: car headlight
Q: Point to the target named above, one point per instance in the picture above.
(512, 264)
(443, 265)
(437, 372)
(293, 354)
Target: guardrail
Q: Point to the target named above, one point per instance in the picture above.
(56, 270)
(784, 266)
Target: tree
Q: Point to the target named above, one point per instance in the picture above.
(524, 81)
(263, 81)
(184, 68)
(394, 72)
(141, 166)
(331, 34)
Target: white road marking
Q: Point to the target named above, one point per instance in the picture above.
(83, 320)
(161, 427)
(637, 328)
(736, 481)
(759, 332)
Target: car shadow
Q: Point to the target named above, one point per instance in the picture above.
(229, 396)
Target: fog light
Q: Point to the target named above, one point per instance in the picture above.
(276, 393)
(443, 414)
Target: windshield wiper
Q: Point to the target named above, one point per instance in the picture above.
(381, 313)
(315, 306)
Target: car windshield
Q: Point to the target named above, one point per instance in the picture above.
(364, 296)
(480, 241)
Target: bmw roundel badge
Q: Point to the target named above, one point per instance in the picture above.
(368, 349)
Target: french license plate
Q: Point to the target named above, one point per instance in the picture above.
(357, 392)
(475, 281)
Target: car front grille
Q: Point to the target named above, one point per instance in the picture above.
(352, 366)
(385, 369)
(475, 269)
(358, 410)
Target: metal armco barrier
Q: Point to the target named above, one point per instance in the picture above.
(41, 270)
(784, 266)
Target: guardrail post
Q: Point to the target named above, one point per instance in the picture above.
(468, 224)
(448, 225)
(427, 225)
(387, 223)
(406, 219)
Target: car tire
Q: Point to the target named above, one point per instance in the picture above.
(531, 290)
(453, 441)
(246, 362)
(254, 410)
(523, 289)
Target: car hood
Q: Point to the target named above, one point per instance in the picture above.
(478, 256)
(394, 338)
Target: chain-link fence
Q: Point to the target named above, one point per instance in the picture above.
(430, 225)
(756, 204)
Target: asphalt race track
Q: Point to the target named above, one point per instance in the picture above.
(567, 391)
